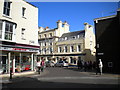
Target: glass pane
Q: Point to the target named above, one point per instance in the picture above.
(7, 27)
(0, 25)
(8, 5)
(8, 12)
(11, 28)
(5, 4)
(4, 12)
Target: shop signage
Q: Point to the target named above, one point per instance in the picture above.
(18, 49)
(100, 53)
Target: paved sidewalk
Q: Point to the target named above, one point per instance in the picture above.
(5, 78)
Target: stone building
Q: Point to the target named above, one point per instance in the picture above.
(61, 44)
(78, 45)
(47, 39)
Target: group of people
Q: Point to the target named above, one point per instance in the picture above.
(40, 66)
(89, 65)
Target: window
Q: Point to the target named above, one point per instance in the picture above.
(0, 29)
(39, 36)
(73, 37)
(60, 49)
(71, 60)
(45, 35)
(65, 38)
(8, 31)
(23, 11)
(98, 45)
(51, 50)
(23, 33)
(6, 10)
(65, 48)
(50, 35)
(72, 49)
(78, 48)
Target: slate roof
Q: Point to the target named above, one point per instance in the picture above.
(73, 33)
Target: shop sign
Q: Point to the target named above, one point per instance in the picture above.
(18, 49)
(100, 53)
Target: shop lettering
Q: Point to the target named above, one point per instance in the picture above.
(20, 49)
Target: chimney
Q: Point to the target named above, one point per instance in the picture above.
(66, 26)
(59, 24)
(47, 28)
(41, 29)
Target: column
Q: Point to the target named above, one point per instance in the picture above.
(8, 69)
(32, 68)
(13, 64)
(35, 61)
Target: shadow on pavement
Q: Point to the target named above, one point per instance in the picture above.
(28, 82)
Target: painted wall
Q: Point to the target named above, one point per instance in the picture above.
(29, 22)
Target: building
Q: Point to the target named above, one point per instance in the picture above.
(78, 45)
(61, 44)
(18, 35)
(106, 31)
(48, 37)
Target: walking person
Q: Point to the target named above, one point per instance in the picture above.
(38, 65)
(100, 66)
(42, 65)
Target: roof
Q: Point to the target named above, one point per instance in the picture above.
(30, 4)
(107, 17)
(73, 33)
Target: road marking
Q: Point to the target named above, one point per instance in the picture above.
(53, 78)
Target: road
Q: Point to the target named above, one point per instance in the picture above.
(63, 78)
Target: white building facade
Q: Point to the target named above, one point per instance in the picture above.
(18, 35)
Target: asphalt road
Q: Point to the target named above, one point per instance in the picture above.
(64, 78)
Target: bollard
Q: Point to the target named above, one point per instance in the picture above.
(10, 74)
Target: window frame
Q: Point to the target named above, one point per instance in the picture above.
(6, 8)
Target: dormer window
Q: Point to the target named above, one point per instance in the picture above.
(74, 37)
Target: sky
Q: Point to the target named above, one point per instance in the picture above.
(75, 13)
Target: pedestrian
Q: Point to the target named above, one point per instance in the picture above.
(78, 64)
(38, 65)
(85, 66)
(42, 65)
(100, 66)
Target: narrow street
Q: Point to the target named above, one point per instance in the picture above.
(56, 77)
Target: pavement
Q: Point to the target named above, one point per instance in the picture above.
(5, 78)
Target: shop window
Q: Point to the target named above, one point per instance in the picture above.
(7, 5)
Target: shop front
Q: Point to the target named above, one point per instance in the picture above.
(17, 58)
